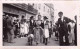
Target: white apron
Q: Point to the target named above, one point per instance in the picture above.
(46, 33)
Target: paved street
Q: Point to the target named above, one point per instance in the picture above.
(23, 42)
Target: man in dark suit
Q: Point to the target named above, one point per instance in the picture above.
(63, 29)
(32, 25)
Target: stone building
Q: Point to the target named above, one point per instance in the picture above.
(45, 9)
(18, 10)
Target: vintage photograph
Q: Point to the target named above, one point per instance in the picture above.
(39, 24)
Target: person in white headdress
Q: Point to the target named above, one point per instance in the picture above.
(22, 27)
(26, 27)
(46, 32)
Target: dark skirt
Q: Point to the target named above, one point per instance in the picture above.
(31, 30)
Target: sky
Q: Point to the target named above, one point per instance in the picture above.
(69, 8)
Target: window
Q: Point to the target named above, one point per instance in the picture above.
(39, 6)
(48, 10)
(44, 8)
(33, 4)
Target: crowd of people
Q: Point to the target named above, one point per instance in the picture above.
(39, 30)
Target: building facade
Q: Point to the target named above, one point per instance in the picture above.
(45, 9)
(30, 9)
(19, 10)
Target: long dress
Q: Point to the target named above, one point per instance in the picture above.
(46, 33)
(37, 35)
(25, 28)
(37, 31)
(71, 35)
(22, 28)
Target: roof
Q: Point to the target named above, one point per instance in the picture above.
(49, 5)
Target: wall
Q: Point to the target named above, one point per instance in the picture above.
(15, 11)
(43, 10)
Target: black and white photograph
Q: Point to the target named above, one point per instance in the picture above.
(39, 24)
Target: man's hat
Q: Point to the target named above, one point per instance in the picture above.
(31, 17)
(45, 17)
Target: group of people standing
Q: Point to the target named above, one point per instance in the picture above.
(40, 30)
(13, 28)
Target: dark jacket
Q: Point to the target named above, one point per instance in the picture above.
(9, 24)
(62, 26)
(32, 24)
(42, 25)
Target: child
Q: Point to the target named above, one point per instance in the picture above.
(30, 39)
